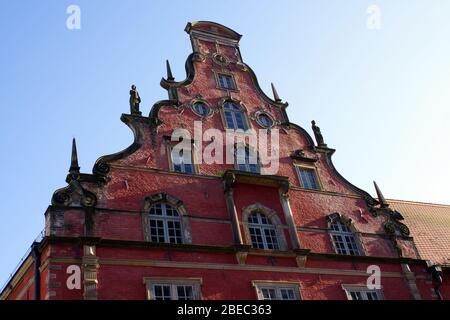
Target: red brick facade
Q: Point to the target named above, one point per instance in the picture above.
(100, 221)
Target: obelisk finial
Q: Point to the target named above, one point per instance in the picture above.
(74, 167)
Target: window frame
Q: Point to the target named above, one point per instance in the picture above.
(352, 232)
(262, 228)
(165, 221)
(195, 283)
(205, 103)
(258, 114)
(260, 285)
(242, 111)
(245, 114)
(299, 167)
(176, 203)
(170, 146)
(363, 291)
(217, 75)
(270, 214)
(247, 164)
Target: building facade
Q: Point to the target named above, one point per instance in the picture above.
(154, 222)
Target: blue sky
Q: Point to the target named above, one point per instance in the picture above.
(381, 97)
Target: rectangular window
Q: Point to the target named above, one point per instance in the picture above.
(346, 244)
(182, 160)
(175, 289)
(226, 81)
(362, 293)
(308, 178)
(277, 291)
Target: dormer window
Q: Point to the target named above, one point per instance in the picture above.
(226, 81)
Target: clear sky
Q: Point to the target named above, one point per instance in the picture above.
(381, 97)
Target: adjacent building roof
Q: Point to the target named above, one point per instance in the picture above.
(429, 224)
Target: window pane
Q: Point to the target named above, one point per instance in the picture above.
(174, 230)
(287, 294)
(271, 239)
(255, 235)
(253, 218)
(229, 119)
(265, 120)
(268, 294)
(239, 120)
(167, 228)
(185, 292)
(161, 292)
(200, 108)
(262, 232)
(364, 295)
(308, 178)
(188, 168)
(226, 81)
(221, 81)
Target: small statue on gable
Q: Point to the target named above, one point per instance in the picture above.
(318, 134)
(135, 100)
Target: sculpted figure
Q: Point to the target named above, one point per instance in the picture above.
(135, 100)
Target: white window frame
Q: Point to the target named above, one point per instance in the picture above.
(277, 286)
(363, 291)
(261, 228)
(343, 234)
(165, 219)
(195, 283)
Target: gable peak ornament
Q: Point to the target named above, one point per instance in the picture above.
(318, 134)
(135, 100)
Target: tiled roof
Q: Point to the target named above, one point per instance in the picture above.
(430, 227)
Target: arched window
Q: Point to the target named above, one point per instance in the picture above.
(234, 116)
(246, 159)
(343, 238)
(263, 233)
(165, 224)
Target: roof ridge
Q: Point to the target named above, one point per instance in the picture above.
(420, 203)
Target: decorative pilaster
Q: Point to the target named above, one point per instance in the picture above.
(411, 281)
(229, 179)
(90, 266)
(284, 199)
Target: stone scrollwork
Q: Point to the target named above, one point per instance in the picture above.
(393, 225)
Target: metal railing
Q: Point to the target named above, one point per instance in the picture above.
(38, 239)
